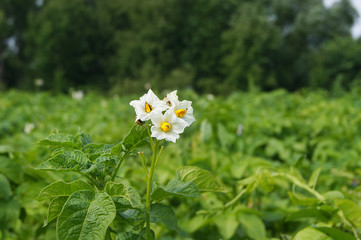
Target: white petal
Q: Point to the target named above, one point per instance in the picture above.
(157, 118)
(156, 132)
(188, 117)
(173, 98)
(178, 126)
(171, 136)
(184, 105)
(169, 115)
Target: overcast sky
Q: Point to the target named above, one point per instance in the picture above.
(356, 30)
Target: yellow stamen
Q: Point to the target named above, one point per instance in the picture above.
(181, 112)
(148, 108)
(165, 126)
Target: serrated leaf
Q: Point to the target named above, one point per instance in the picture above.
(203, 179)
(5, 190)
(55, 207)
(62, 189)
(94, 150)
(85, 215)
(175, 188)
(314, 177)
(310, 234)
(84, 139)
(160, 213)
(104, 162)
(123, 190)
(72, 161)
(60, 140)
(253, 226)
(334, 233)
(351, 211)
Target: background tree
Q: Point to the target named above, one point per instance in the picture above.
(211, 46)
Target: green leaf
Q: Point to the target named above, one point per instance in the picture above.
(351, 211)
(94, 150)
(61, 189)
(253, 226)
(203, 179)
(175, 188)
(5, 149)
(308, 213)
(75, 161)
(12, 169)
(310, 234)
(225, 138)
(5, 190)
(314, 177)
(206, 131)
(61, 140)
(300, 199)
(333, 195)
(84, 139)
(123, 190)
(85, 215)
(129, 216)
(265, 180)
(134, 236)
(163, 214)
(136, 137)
(9, 213)
(334, 233)
(55, 207)
(227, 224)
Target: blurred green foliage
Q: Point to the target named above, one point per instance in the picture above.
(289, 162)
(209, 45)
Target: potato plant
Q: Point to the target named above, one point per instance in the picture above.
(97, 206)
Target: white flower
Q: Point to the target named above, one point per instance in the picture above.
(182, 109)
(167, 126)
(77, 95)
(29, 127)
(148, 105)
(39, 82)
(239, 129)
(171, 99)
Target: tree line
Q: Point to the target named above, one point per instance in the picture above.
(208, 45)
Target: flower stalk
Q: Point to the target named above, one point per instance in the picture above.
(149, 187)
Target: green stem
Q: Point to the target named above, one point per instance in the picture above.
(142, 159)
(302, 185)
(92, 181)
(149, 188)
(234, 200)
(292, 179)
(118, 166)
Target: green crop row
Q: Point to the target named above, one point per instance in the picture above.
(289, 162)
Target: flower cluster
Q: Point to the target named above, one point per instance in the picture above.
(169, 116)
